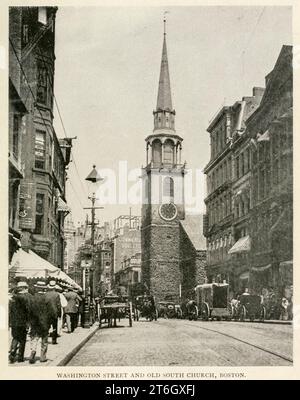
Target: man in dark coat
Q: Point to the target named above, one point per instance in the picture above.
(19, 319)
(71, 309)
(54, 308)
(40, 323)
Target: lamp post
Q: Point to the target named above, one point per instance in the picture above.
(93, 177)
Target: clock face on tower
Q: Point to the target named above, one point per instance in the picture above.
(168, 211)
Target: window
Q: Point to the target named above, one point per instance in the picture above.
(39, 214)
(39, 149)
(42, 15)
(169, 152)
(168, 187)
(107, 263)
(16, 129)
(246, 161)
(237, 161)
(42, 84)
(261, 184)
(242, 166)
(51, 149)
(25, 34)
(275, 172)
(156, 151)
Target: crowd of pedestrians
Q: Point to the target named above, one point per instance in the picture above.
(41, 311)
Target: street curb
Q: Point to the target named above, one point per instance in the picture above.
(73, 352)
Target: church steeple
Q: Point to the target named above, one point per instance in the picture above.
(164, 113)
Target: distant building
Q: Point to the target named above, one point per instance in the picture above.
(125, 243)
(130, 272)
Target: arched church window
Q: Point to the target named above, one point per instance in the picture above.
(156, 152)
(168, 188)
(169, 152)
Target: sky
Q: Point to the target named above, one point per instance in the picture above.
(107, 72)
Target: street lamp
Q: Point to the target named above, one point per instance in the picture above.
(93, 177)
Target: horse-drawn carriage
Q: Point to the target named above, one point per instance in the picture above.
(113, 307)
(144, 307)
(251, 307)
(169, 309)
(213, 301)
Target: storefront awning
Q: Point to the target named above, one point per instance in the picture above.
(30, 265)
(242, 245)
(62, 276)
(286, 264)
(62, 206)
(261, 269)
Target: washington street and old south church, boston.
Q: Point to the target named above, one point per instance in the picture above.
(173, 245)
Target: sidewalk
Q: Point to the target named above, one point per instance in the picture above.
(62, 352)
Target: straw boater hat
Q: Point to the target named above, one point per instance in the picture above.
(52, 284)
(40, 285)
(22, 285)
(58, 288)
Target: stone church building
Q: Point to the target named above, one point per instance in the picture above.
(173, 246)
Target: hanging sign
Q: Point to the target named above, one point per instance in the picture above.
(27, 205)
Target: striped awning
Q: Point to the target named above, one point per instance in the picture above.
(62, 206)
(242, 245)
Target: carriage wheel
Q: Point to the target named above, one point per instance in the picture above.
(263, 314)
(205, 312)
(243, 314)
(196, 314)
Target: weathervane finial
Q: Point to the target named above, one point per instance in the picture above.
(165, 21)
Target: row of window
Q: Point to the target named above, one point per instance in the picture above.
(44, 149)
(219, 209)
(222, 242)
(218, 140)
(167, 155)
(220, 175)
(242, 164)
(241, 207)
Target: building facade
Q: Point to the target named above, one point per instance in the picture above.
(228, 197)
(271, 131)
(130, 273)
(40, 197)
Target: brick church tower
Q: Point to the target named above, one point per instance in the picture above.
(163, 195)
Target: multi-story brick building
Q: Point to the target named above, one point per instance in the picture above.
(130, 273)
(228, 199)
(40, 203)
(270, 128)
(125, 242)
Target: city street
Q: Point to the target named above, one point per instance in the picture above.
(189, 343)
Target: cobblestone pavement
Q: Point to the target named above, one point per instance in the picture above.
(188, 343)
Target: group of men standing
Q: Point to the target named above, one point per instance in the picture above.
(37, 313)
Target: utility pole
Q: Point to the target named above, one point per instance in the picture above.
(93, 226)
(92, 177)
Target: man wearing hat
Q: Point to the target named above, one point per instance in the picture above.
(19, 319)
(39, 322)
(63, 303)
(71, 309)
(53, 307)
